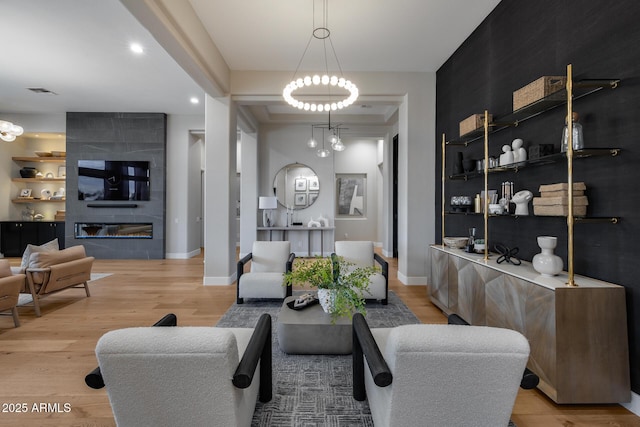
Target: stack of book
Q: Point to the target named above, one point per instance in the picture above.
(554, 200)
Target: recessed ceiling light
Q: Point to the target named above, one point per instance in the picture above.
(194, 100)
(136, 48)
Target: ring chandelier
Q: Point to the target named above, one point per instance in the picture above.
(327, 81)
(316, 80)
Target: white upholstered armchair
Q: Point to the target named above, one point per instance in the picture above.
(269, 261)
(361, 254)
(185, 376)
(448, 375)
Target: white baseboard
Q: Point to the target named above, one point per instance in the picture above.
(634, 405)
(412, 281)
(218, 281)
(182, 255)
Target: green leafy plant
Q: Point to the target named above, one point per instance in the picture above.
(347, 282)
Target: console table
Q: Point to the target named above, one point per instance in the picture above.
(285, 235)
(578, 335)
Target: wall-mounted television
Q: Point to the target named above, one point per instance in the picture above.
(113, 180)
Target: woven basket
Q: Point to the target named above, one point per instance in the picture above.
(473, 122)
(537, 90)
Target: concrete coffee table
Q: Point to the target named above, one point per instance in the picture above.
(310, 331)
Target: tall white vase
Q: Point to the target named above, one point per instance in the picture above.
(546, 262)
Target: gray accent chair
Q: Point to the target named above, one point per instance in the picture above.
(361, 254)
(443, 375)
(269, 261)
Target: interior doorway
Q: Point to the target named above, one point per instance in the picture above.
(394, 174)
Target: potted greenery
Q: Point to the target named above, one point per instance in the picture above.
(340, 286)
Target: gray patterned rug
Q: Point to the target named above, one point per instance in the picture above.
(313, 390)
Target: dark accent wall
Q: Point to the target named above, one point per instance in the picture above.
(118, 136)
(516, 44)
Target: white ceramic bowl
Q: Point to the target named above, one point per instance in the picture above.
(456, 242)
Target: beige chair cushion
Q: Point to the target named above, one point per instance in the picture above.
(270, 257)
(5, 268)
(46, 247)
(49, 258)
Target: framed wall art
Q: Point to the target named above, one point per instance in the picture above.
(300, 199)
(351, 195)
(301, 184)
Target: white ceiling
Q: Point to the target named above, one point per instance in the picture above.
(79, 48)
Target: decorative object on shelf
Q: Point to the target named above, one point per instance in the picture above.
(538, 89)
(540, 150)
(471, 240)
(507, 193)
(334, 102)
(25, 193)
(492, 196)
(455, 242)
(313, 224)
(28, 213)
(468, 165)
(340, 285)
(39, 174)
(478, 246)
(28, 172)
(578, 137)
(59, 153)
(506, 158)
(521, 199)
(45, 194)
(62, 171)
(267, 204)
(461, 203)
(519, 153)
(38, 217)
(554, 200)
(323, 221)
(546, 262)
(9, 131)
(496, 209)
(43, 153)
(477, 204)
(457, 165)
(49, 175)
(507, 255)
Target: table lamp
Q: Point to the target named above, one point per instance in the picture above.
(267, 204)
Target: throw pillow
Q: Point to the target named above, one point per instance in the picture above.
(46, 247)
(5, 268)
(48, 258)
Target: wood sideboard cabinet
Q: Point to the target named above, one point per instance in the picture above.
(578, 335)
(16, 235)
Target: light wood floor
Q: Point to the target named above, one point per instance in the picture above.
(45, 360)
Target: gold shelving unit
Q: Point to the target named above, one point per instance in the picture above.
(574, 90)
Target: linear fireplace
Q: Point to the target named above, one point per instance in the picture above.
(92, 230)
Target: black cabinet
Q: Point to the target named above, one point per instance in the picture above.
(16, 235)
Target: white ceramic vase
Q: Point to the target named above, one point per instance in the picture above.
(546, 262)
(326, 298)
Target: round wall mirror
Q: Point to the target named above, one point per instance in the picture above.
(296, 186)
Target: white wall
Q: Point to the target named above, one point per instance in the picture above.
(183, 186)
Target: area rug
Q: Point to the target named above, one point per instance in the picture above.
(313, 390)
(25, 299)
